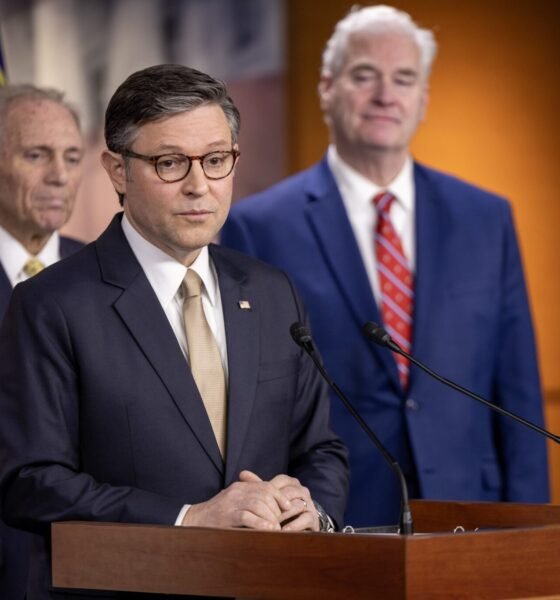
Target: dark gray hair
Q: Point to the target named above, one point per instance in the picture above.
(160, 91)
(376, 19)
(11, 94)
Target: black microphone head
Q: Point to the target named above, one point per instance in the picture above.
(300, 334)
(377, 334)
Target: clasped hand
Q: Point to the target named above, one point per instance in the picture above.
(279, 504)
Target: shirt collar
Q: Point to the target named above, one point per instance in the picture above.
(358, 191)
(13, 255)
(164, 272)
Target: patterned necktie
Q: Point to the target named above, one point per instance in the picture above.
(396, 283)
(204, 357)
(32, 266)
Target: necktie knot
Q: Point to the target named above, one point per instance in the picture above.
(383, 202)
(192, 284)
(32, 266)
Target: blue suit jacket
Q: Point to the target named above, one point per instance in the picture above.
(15, 544)
(471, 324)
(103, 420)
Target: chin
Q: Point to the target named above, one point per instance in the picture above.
(193, 243)
(380, 144)
(52, 220)
(47, 227)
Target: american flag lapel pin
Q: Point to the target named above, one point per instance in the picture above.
(244, 304)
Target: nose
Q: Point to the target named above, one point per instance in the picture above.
(383, 93)
(195, 183)
(57, 173)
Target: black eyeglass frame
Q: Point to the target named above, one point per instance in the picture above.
(154, 161)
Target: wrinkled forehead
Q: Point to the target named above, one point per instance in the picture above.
(392, 49)
(40, 122)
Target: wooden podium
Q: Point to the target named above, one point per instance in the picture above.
(514, 553)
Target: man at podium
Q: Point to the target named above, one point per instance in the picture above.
(151, 377)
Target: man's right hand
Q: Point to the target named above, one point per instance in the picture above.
(255, 504)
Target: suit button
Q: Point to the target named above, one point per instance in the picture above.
(411, 404)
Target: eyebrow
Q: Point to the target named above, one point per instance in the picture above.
(406, 72)
(45, 148)
(173, 149)
(402, 72)
(364, 67)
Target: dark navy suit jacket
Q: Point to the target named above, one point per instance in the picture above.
(15, 544)
(103, 420)
(471, 324)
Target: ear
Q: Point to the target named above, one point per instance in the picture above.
(114, 165)
(236, 147)
(324, 89)
(424, 104)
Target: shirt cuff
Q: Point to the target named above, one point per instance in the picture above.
(184, 511)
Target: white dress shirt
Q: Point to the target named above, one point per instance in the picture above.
(166, 275)
(358, 193)
(13, 255)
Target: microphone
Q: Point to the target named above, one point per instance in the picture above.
(302, 337)
(377, 334)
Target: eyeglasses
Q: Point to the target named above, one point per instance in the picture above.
(174, 167)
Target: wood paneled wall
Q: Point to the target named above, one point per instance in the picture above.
(493, 119)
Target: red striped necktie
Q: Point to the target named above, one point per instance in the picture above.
(396, 283)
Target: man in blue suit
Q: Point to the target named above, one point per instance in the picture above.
(151, 377)
(468, 311)
(41, 153)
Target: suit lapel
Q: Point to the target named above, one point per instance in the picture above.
(243, 350)
(147, 323)
(335, 237)
(5, 291)
(69, 246)
(430, 230)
